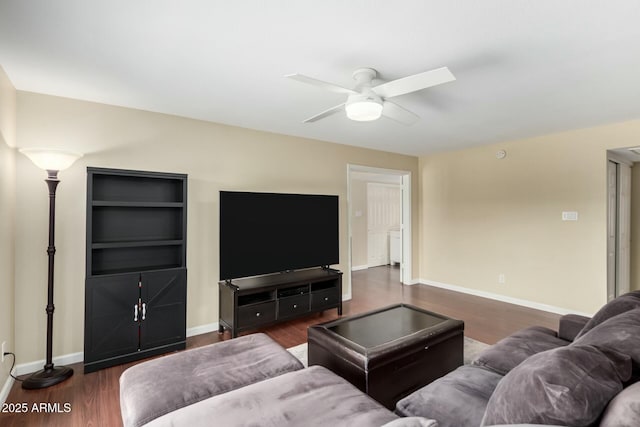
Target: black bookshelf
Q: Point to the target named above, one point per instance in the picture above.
(136, 277)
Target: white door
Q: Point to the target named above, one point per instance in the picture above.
(383, 216)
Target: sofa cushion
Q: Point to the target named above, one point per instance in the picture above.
(310, 397)
(509, 352)
(620, 333)
(570, 325)
(616, 306)
(412, 422)
(153, 388)
(567, 386)
(458, 399)
(624, 409)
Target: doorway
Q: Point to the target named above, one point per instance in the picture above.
(384, 206)
(379, 219)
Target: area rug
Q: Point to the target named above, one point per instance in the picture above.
(471, 350)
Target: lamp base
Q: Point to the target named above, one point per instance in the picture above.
(47, 377)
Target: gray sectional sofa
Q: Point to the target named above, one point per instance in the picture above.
(586, 374)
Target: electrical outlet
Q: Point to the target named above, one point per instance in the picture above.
(501, 278)
(4, 350)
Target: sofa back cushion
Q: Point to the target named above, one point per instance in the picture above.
(566, 386)
(509, 352)
(623, 303)
(624, 409)
(620, 333)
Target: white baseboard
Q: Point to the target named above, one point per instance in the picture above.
(66, 359)
(359, 267)
(4, 393)
(504, 298)
(412, 282)
(203, 329)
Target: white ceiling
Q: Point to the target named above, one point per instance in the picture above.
(523, 67)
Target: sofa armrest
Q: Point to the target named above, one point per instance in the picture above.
(570, 325)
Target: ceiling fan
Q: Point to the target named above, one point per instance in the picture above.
(366, 102)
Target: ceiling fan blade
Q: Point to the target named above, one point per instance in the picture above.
(325, 113)
(399, 114)
(319, 83)
(415, 82)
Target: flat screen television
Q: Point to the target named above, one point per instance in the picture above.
(263, 233)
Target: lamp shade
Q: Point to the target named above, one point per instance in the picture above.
(51, 160)
(364, 111)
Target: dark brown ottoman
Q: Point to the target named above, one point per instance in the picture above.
(390, 352)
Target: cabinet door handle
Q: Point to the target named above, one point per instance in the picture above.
(144, 310)
(295, 305)
(135, 312)
(326, 298)
(258, 314)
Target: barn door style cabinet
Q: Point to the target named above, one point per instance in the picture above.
(136, 276)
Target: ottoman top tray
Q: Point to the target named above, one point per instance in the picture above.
(389, 327)
(385, 325)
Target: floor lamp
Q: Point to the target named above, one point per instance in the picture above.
(52, 161)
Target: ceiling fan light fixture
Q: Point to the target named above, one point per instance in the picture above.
(366, 102)
(365, 110)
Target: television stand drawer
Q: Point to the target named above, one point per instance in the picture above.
(291, 306)
(256, 314)
(325, 298)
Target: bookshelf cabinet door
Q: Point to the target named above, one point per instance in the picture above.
(164, 294)
(111, 328)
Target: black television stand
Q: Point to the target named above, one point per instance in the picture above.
(256, 302)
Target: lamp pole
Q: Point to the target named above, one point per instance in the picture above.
(50, 375)
(52, 161)
(52, 182)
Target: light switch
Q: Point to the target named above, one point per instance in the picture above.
(570, 216)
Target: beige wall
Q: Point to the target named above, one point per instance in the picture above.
(216, 157)
(358, 223)
(7, 110)
(481, 217)
(7, 207)
(476, 216)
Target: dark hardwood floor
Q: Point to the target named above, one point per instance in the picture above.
(94, 398)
